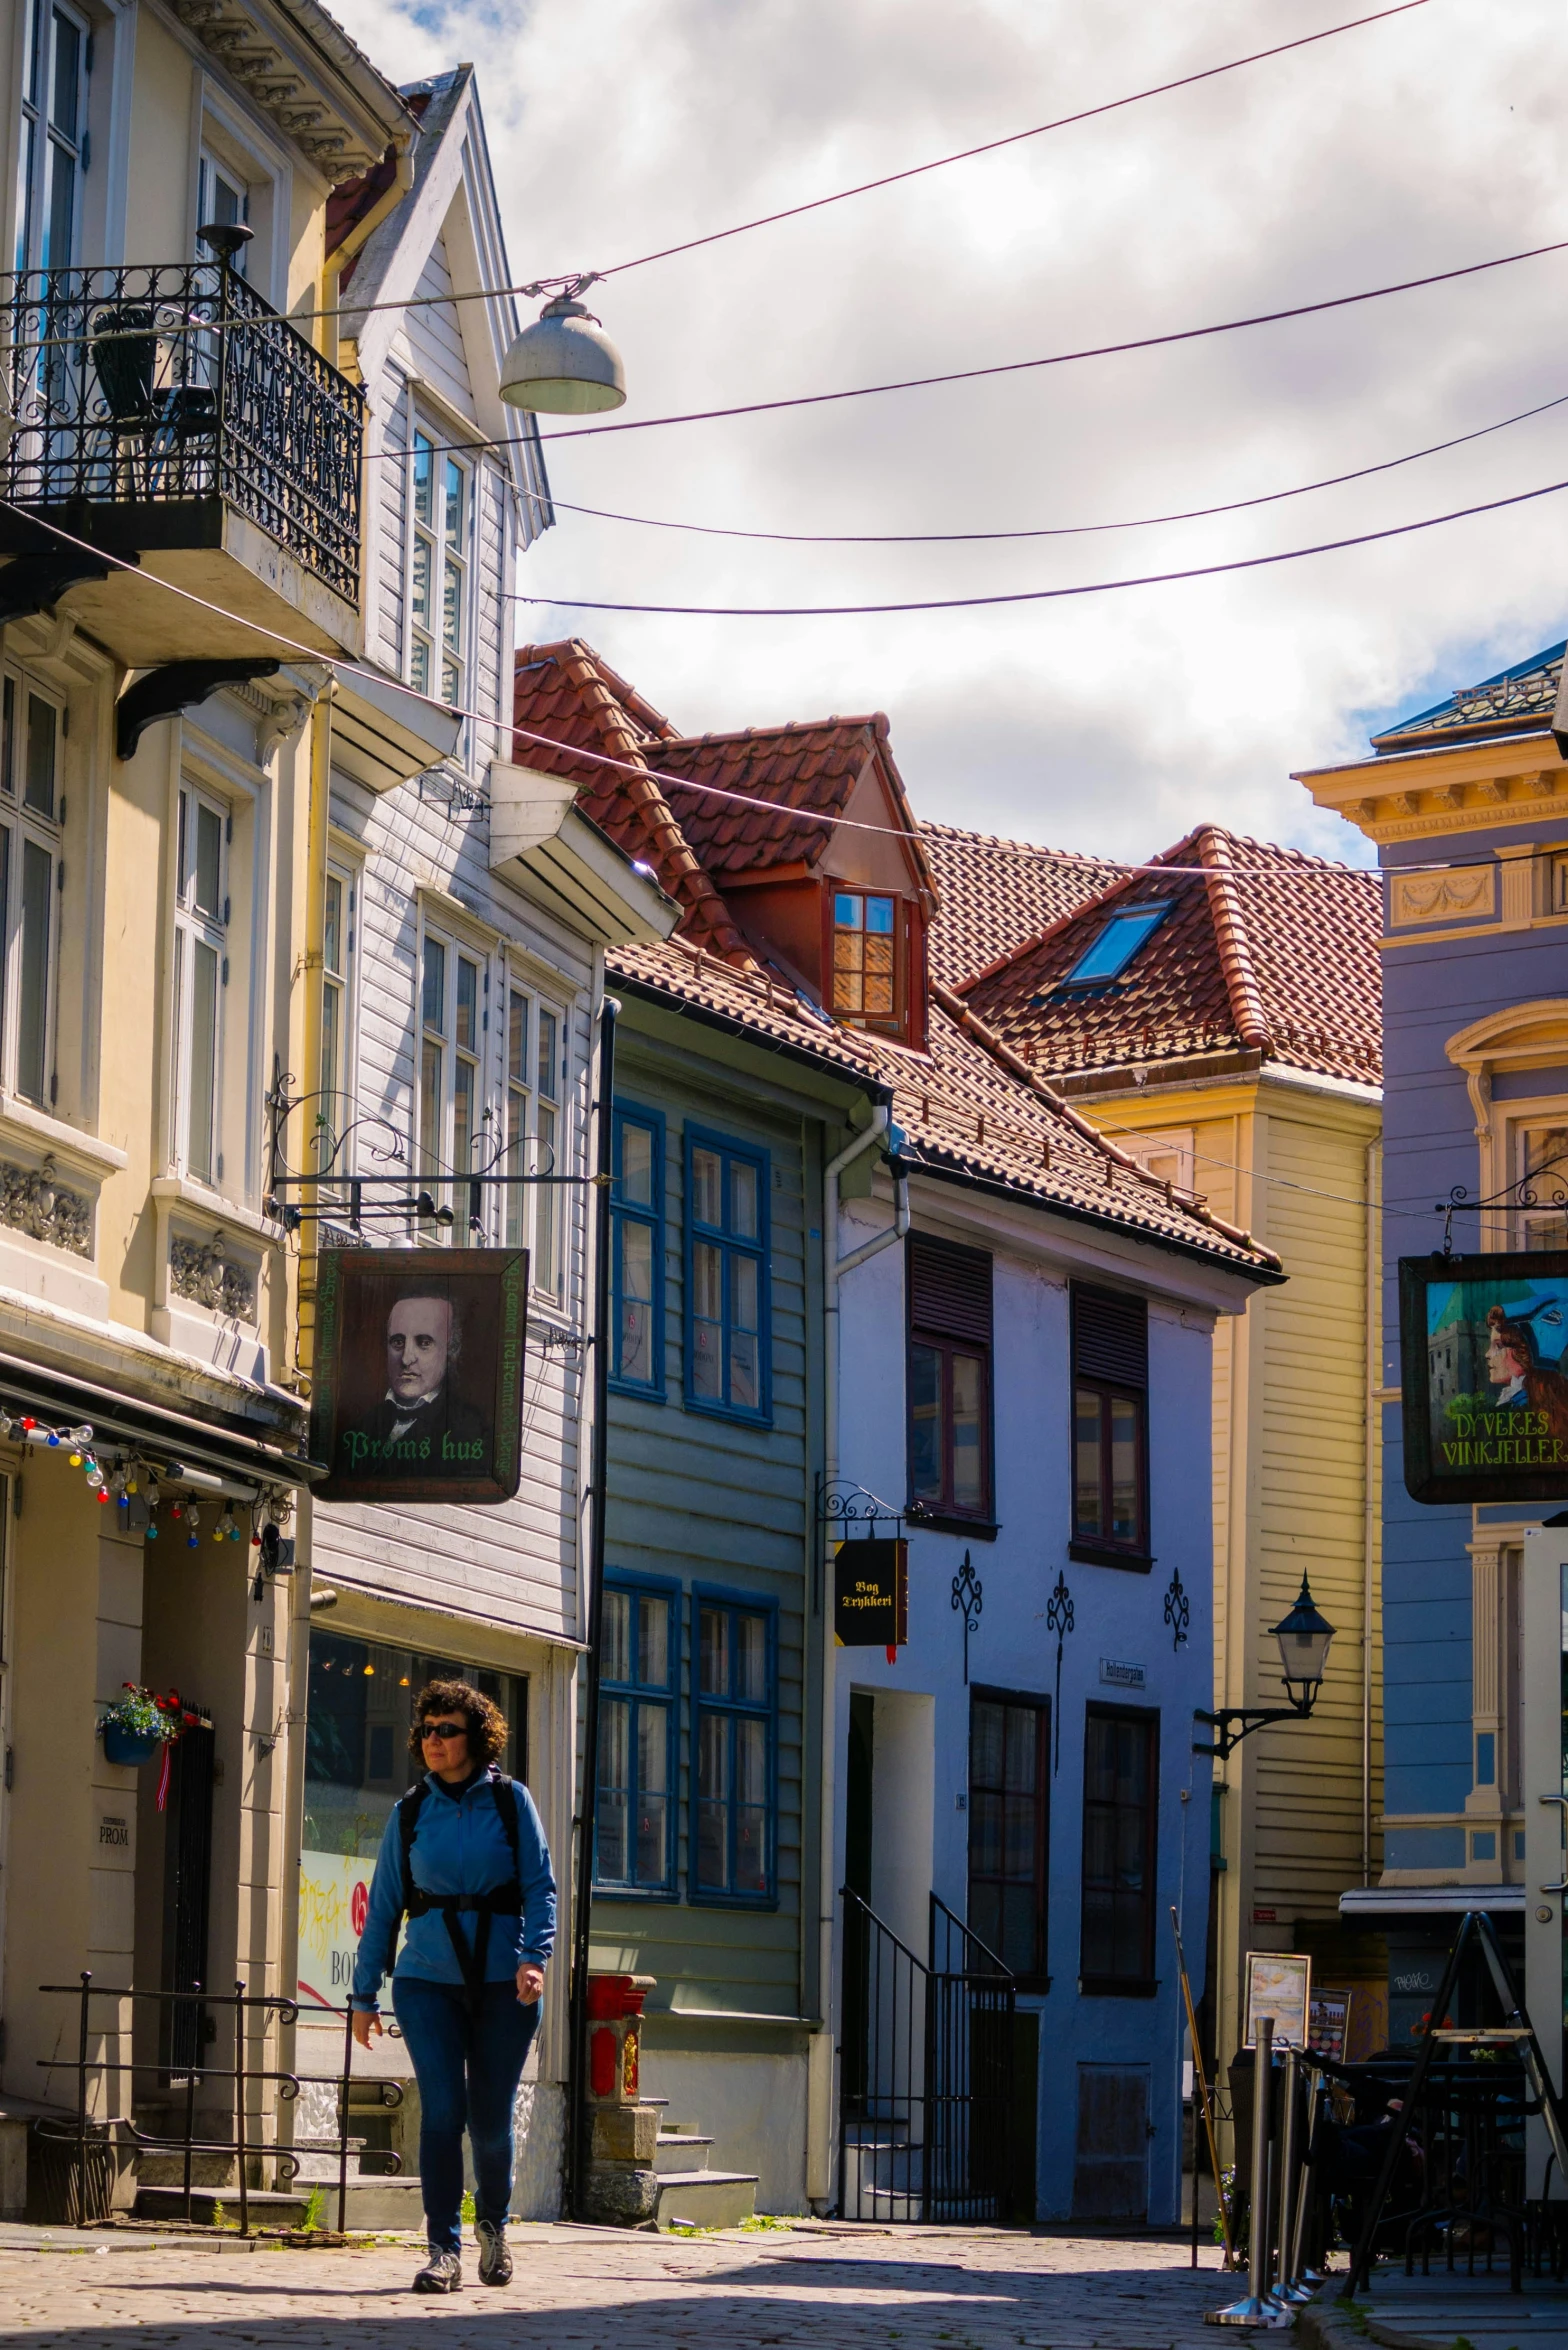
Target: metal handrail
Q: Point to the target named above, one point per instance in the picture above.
(95, 2130)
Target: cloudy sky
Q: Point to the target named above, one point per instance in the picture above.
(1111, 723)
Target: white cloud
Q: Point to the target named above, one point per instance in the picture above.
(1116, 721)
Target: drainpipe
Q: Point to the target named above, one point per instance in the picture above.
(577, 2143)
(1372, 1190)
(834, 1267)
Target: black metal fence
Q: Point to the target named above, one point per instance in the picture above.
(82, 2154)
(926, 2081)
(144, 389)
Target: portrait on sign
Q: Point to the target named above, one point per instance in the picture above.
(1484, 1376)
(418, 1374)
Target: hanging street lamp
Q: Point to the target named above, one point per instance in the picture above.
(564, 364)
(1304, 1636)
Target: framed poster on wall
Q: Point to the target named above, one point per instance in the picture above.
(1483, 1378)
(418, 1375)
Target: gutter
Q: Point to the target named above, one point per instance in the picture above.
(834, 1267)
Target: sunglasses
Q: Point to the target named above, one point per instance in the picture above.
(443, 1729)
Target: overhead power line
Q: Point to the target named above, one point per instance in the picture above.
(1063, 530)
(1097, 587)
(1184, 334)
(1060, 122)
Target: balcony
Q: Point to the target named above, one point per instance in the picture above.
(168, 416)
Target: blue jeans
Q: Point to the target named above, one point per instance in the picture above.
(468, 2068)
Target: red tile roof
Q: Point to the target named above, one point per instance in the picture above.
(968, 1107)
(814, 766)
(566, 693)
(1279, 960)
(1000, 895)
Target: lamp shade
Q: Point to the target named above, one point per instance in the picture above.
(1303, 1637)
(564, 364)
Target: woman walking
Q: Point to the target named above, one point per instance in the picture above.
(464, 1857)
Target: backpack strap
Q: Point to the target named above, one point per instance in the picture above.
(505, 1792)
(501, 1900)
(408, 1810)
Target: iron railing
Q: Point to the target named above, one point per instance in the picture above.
(86, 2146)
(926, 2079)
(142, 390)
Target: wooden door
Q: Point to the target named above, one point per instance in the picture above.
(1111, 2163)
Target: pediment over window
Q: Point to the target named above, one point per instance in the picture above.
(1523, 1036)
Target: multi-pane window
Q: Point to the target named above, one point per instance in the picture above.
(337, 1001)
(634, 1843)
(53, 153)
(866, 944)
(1541, 1174)
(734, 1684)
(1009, 1780)
(1110, 1424)
(637, 1252)
(535, 1134)
(949, 1378)
(438, 572)
(201, 974)
(451, 985)
(726, 1277)
(1121, 1759)
(31, 811)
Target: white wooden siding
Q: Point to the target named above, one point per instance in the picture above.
(435, 339)
(390, 543)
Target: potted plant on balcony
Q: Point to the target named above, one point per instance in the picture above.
(141, 1723)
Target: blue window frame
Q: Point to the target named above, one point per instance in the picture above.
(1111, 950)
(727, 1349)
(639, 1679)
(734, 1759)
(637, 1253)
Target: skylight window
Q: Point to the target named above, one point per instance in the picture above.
(1108, 956)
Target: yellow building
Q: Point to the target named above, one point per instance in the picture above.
(1218, 1013)
(180, 556)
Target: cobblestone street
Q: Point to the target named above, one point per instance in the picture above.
(602, 2289)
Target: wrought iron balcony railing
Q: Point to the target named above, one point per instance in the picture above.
(131, 399)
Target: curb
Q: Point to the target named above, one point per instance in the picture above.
(1350, 2325)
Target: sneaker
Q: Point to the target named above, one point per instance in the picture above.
(442, 2273)
(495, 2262)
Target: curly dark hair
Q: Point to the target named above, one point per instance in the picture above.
(486, 1722)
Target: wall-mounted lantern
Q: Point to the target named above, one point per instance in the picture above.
(1304, 1636)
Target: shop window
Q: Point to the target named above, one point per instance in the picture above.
(637, 1253)
(727, 1301)
(1110, 1336)
(1009, 1787)
(949, 1379)
(735, 1706)
(639, 1667)
(1120, 1790)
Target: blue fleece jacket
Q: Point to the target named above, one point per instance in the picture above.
(460, 1846)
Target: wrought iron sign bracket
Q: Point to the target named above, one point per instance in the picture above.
(1235, 1722)
(1521, 1193)
(849, 1506)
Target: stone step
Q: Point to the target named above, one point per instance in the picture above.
(390, 2205)
(681, 2152)
(705, 2198)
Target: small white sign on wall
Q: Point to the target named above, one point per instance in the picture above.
(1117, 1674)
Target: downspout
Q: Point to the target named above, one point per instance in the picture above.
(834, 1267)
(577, 2062)
(1372, 1190)
(355, 241)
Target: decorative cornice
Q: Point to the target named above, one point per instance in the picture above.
(281, 86)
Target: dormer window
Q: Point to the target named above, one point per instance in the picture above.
(869, 949)
(1113, 948)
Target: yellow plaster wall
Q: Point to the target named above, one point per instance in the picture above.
(162, 118)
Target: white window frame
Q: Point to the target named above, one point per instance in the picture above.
(1528, 1124)
(42, 139)
(1168, 1156)
(340, 998)
(199, 930)
(534, 1214)
(451, 1060)
(437, 665)
(210, 169)
(26, 826)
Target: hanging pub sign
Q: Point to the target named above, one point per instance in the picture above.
(1483, 1376)
(418, 1377)
(871, 1593)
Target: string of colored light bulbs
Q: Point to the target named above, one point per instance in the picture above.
(124, 1478)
